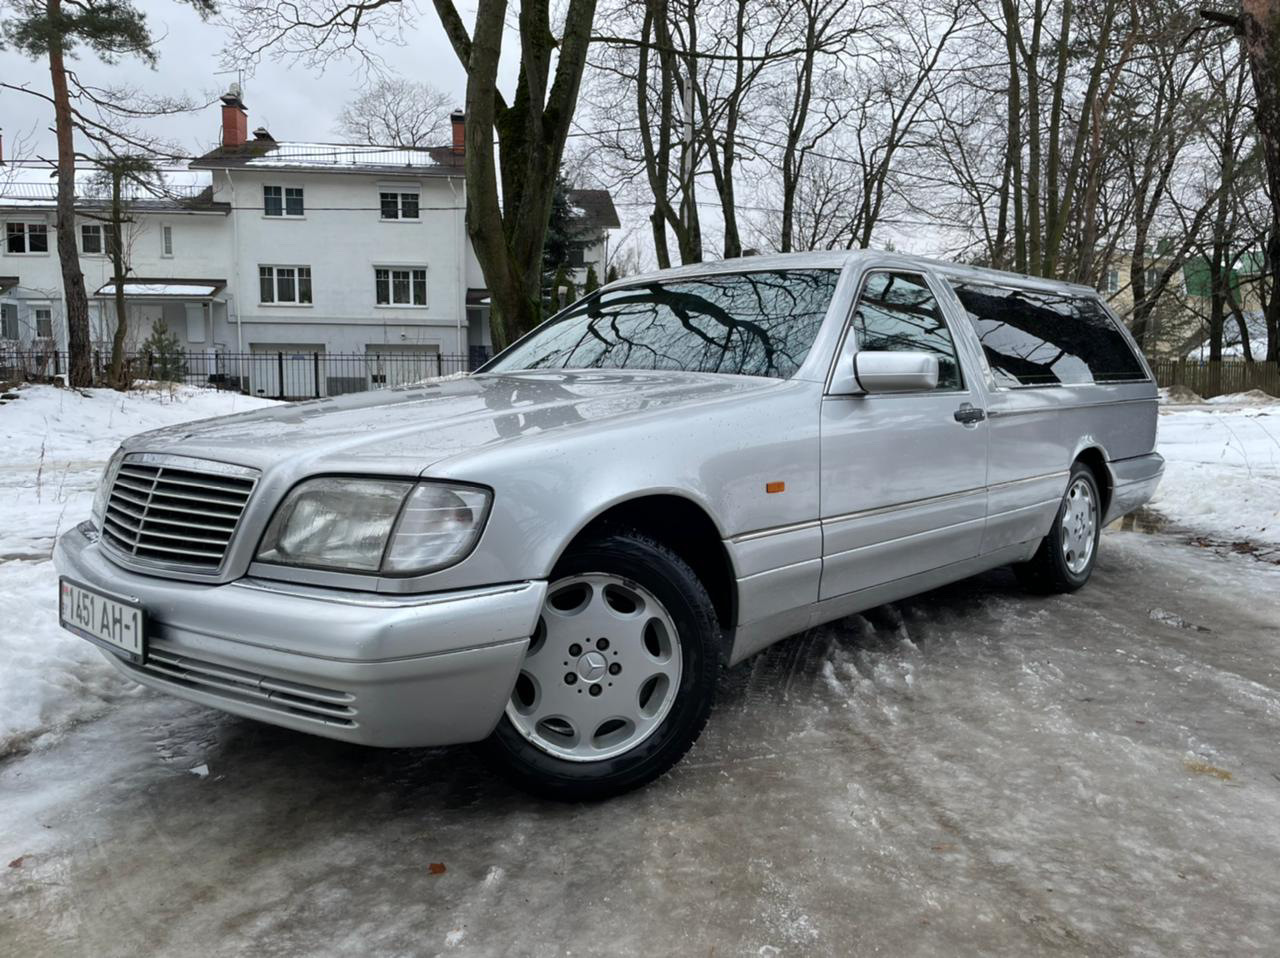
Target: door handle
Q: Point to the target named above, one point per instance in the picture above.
(970, 415)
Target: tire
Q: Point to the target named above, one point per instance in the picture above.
(653, 672)
(1066, 556)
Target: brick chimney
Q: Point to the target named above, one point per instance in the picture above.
(235, 118)
(459, 121)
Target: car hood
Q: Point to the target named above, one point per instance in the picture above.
(423, 424)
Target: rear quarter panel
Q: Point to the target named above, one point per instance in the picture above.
(1036, 433)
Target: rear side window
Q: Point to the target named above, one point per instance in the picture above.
(896, 311)
(1040, 339)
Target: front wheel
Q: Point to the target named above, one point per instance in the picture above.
(620, 674)
(1066, 556)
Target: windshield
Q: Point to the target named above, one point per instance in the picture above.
(752, 324)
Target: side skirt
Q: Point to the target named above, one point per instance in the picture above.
(755, 636)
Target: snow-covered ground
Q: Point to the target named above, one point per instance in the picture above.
(53, 445)
(1222, 472)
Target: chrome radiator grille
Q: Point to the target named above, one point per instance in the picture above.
(176, 510)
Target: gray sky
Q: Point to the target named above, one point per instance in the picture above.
(292, 101)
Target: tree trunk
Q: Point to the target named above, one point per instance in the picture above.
(1218, 292)
(1260, 23)
(118, 378)
(1243, 326)
(508, 227)
(1033, 136)
(656, 158)
(1271, 311)
(79, 347)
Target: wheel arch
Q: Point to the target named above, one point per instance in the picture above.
(684, 526)
(1094, 457)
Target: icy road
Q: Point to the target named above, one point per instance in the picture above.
(972, 772)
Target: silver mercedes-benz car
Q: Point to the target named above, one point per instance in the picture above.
(559, 554)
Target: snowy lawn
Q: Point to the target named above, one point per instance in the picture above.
(53, 445)
(1222, 472)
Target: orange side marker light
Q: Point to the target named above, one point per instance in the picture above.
(772, 487)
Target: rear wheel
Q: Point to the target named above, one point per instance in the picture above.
(620, 674)
(1066, 556)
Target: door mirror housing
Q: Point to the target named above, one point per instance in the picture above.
(895, 372)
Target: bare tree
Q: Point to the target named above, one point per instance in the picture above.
(816, 79)
(52, 31)
(1228, 137)
(509, 193)
(1258, 23)
(121, 180)
(395, 111)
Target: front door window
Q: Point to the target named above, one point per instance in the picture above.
(897, 312)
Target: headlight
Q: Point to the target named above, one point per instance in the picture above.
(375, 525)
(103, 493)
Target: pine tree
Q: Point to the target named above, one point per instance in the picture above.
(166, 361)
(592, 282)
(51, 30)
(559, 241)
(611, 274)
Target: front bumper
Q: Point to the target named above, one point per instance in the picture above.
(371, 669)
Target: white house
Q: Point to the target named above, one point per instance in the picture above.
(594, 215)
(175, 248)
(283, 267)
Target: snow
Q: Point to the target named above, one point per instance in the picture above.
(34, 186)
(186, 290)
(350, 155)
(55, 444)
(1222, 467)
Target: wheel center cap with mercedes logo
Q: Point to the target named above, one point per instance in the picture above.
(592, 666)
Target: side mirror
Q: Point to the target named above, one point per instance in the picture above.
(895, 372)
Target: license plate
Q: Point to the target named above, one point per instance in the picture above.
(115, 625)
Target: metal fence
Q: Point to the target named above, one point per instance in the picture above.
(286, 374)
(275, 374)
(1220, 378)
(30, 365)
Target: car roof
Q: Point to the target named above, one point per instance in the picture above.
(839, 259)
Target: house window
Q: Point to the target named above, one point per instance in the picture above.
(8, 321)
(166, 241)
(399, 206)
(577, 257)
(400, 287)
(284, 284)
(26, 238)
(44, 322)
(91, 239)
(282, 201)
(1113, 280)
(1153, 277)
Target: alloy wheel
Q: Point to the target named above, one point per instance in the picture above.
(602, 670)
(1079, 526)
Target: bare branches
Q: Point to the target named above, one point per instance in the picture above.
(313, 32)
(394, 111)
